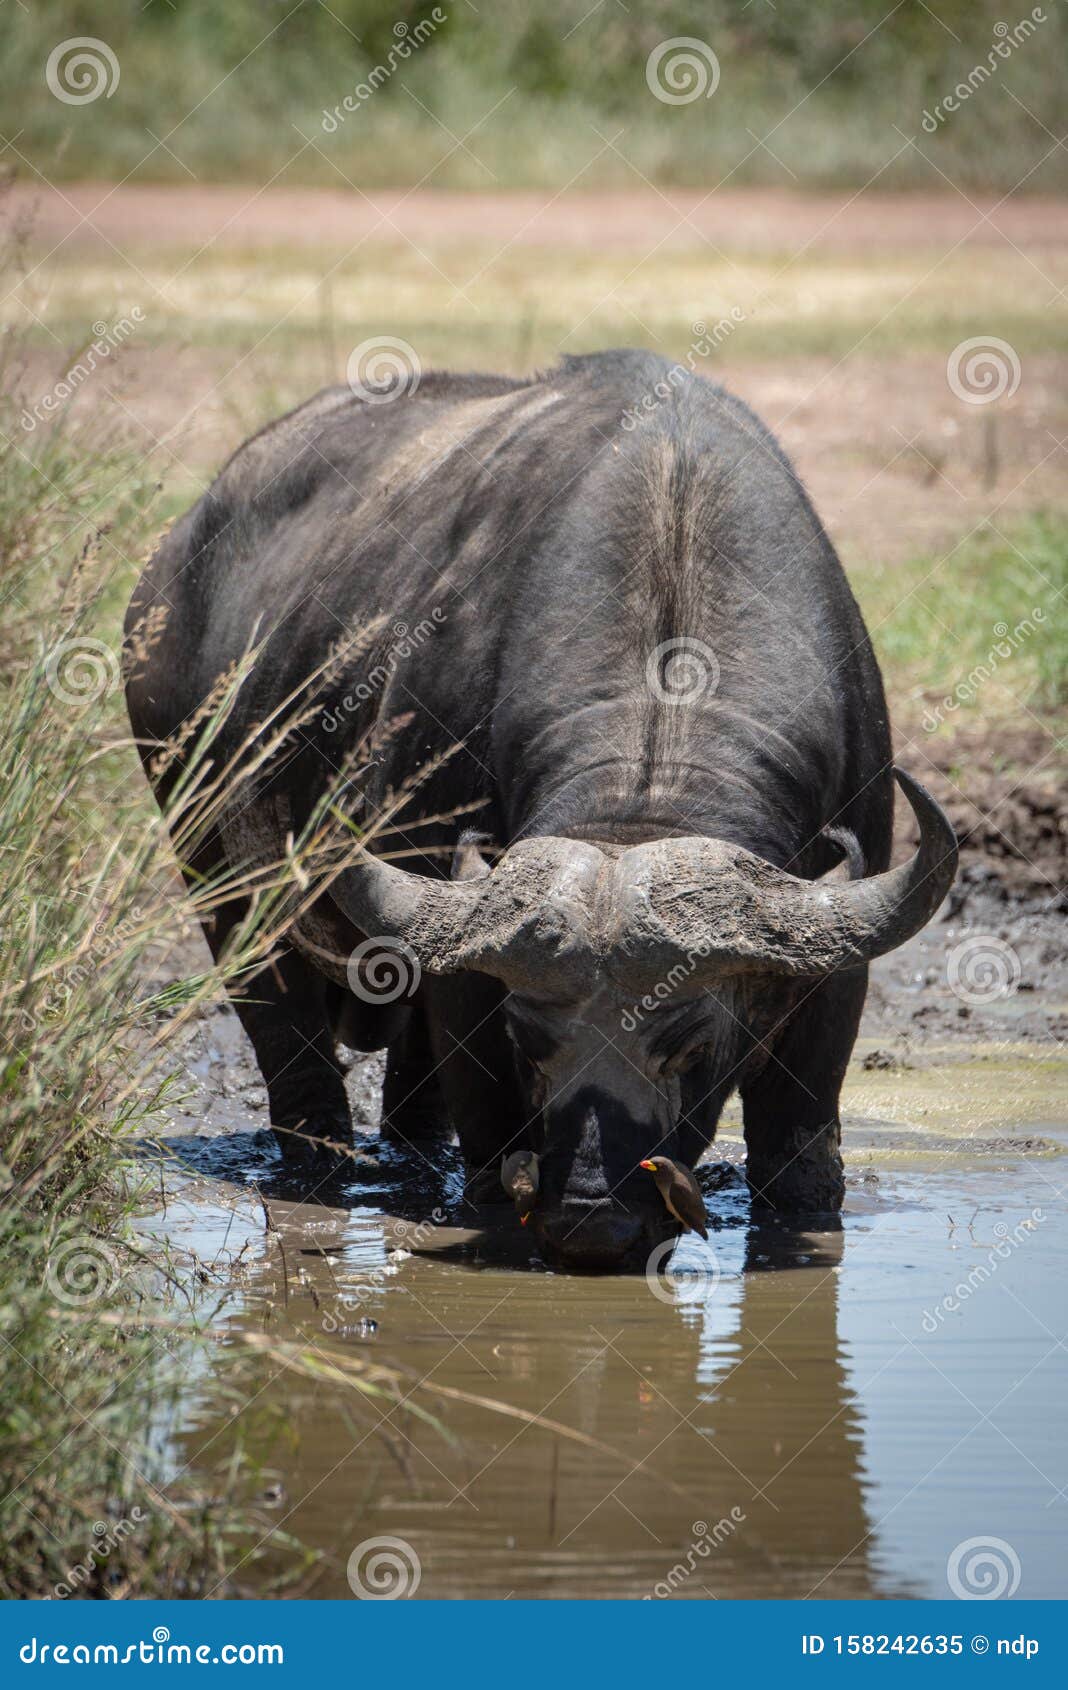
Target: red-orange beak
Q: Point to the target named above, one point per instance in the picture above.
(523, 1219)
(650, 1165)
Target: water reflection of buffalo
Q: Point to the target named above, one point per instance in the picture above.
(730, 1458)
(630, 655)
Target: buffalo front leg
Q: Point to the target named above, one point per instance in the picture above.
(413, 1104)
(477, 1076)
(790, 1109)
(284, 1011)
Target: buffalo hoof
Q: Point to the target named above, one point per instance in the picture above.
(806, 1177)
(318, 1144)
(821, 1193)
(483, 1187)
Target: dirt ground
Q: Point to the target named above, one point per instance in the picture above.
(763, 219)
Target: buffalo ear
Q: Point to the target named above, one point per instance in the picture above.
(849, 864)
(468, 863)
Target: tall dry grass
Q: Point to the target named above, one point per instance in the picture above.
(98, 981)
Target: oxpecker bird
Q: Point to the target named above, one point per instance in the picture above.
(680, 1191)
(519, 1176)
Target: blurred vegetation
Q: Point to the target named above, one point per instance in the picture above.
(84, 1380)
(989, 616)
(535, 90)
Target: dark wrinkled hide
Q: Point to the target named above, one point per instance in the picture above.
(560, 549)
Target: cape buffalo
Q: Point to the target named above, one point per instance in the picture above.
(609, 634)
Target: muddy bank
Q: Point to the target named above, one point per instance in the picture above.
(991, 970)
(1004, 791)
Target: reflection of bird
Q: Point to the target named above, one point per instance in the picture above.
(680, 1191)
(519, 1176)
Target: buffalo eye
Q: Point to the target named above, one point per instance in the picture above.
(531, 1041)
(686, 1059)
(680, 1049)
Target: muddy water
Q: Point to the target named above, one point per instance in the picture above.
(791, 1414)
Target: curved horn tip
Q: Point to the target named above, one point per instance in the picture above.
(928, 812)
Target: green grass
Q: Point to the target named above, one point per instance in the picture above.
(239, 91)
(988, 617)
